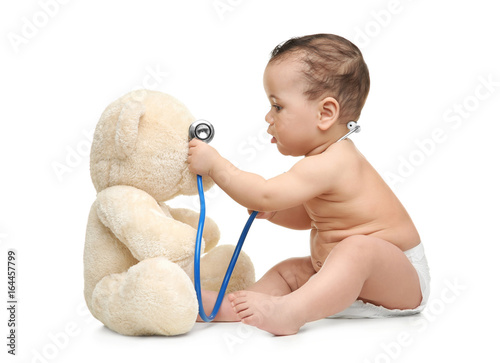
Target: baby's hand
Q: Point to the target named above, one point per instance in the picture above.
(201, 157)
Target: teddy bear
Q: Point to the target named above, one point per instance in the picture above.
(139, 252)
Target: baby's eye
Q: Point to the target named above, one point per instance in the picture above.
(278, 108)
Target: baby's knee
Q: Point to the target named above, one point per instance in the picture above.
(357, 246)
(363, 250)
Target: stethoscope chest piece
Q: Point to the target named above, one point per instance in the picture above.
(202, 130)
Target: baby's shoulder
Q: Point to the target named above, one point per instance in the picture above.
(342, 158)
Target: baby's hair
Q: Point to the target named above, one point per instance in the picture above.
(334, 67)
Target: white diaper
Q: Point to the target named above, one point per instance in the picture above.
(360, 309)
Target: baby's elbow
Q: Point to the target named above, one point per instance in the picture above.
(267, 198)
(263, 205)
(266, 202)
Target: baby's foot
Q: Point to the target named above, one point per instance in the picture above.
(270, 313)
(226, 312)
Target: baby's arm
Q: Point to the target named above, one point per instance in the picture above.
(307, 179)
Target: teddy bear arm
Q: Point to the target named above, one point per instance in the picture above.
(137, 220)
(211, 232)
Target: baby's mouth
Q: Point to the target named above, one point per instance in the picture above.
(273, 140)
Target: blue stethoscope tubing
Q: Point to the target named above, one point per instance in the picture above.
(197, 253)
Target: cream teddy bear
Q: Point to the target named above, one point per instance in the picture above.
(138, 257)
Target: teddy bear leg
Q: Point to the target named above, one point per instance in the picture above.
(213, 266)
(154, 297)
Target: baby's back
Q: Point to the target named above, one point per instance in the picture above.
(360, 202)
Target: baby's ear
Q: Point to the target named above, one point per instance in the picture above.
(127, 128)
(329, 110)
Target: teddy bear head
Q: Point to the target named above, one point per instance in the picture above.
(141, 140)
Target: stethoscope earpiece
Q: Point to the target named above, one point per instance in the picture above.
(202, 130)
(353, 127)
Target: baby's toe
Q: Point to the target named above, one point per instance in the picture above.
(240, 307)
(245, 313)
(231, 297)
(239, 301)
(235, 295)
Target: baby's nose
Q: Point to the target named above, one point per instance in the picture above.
(269, 118)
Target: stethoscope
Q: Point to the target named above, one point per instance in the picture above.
(204, 131)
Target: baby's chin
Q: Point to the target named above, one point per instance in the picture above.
(288, 152)
(281, 149)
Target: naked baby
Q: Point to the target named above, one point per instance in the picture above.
(366, 258)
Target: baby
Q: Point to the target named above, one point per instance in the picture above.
(366, 257)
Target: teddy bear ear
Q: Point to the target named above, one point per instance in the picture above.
(127, 128)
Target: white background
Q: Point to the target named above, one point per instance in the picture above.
(62, 63)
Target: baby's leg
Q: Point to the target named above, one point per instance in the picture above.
(282, 279)
(285, 277)
(363, 267)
